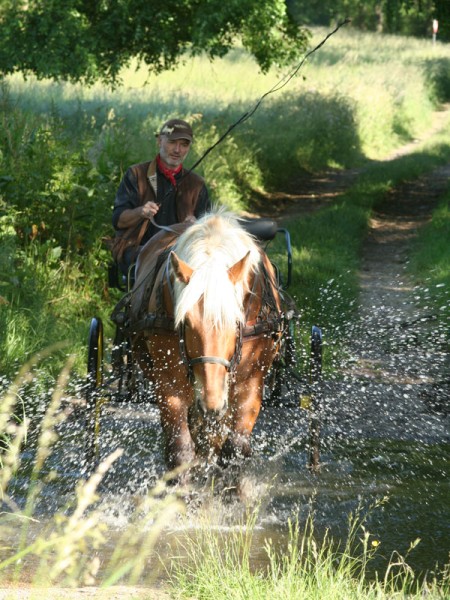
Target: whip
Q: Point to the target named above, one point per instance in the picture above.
(275, 88)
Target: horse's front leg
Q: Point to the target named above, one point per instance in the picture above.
(246, 399)
(179, 446)
(245, 409)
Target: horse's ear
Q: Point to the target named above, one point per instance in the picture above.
(182, 270)
(236, 272)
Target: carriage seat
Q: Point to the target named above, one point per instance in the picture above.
(265, 230)
(262, 228)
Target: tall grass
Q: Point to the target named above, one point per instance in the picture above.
(64, 549)
(219, 565)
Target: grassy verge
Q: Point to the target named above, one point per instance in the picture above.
(430, 264)
(220, 566)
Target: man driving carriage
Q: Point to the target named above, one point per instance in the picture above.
(242, 335)
(157, 193)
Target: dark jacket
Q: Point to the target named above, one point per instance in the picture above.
(188, 199)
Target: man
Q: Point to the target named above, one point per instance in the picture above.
(157, 193)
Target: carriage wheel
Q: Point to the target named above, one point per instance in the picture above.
(93, 386)
(311, 400)
(315, 375)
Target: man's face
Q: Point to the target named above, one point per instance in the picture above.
(173, 152)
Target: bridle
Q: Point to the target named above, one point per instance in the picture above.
(230, 365)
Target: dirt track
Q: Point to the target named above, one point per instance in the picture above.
(400, 367)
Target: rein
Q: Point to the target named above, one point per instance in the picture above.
(162, 227)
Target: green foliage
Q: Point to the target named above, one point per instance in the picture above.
(80, 40)
(308, 132)
(430, 262)
(437, 75)
(51, 185)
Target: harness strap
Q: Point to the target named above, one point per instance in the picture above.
(189, 363)
(200, 360)
(269, 326)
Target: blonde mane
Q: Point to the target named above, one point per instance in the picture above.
(210, 247)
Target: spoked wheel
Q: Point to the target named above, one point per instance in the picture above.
(132, 384)
(311, 400)
(93, 387)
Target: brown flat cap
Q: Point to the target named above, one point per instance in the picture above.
(177, 129)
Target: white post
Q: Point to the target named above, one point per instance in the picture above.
(435, 29)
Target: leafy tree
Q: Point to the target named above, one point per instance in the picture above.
(88, 40)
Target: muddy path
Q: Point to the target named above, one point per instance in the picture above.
(396, 383)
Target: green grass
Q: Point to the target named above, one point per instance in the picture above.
(212, 565)
(430, 267)
(431, 256)
(64, 148)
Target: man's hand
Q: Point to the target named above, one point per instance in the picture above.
(133, 216)
(149, 210)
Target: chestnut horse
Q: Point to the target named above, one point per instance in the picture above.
(206, 325)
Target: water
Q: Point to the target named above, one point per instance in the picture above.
(385, 434)
(359, 467)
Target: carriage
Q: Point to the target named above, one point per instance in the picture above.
(207, 330)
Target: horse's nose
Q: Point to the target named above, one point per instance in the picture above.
(211, 391)
(210, 409)
(212, 401)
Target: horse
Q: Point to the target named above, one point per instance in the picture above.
(206, 323)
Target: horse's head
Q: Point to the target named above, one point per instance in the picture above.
(210, 288)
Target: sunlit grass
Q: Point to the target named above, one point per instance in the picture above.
(213, 564)
(63, 548)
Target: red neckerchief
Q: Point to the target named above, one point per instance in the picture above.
(167, 171)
